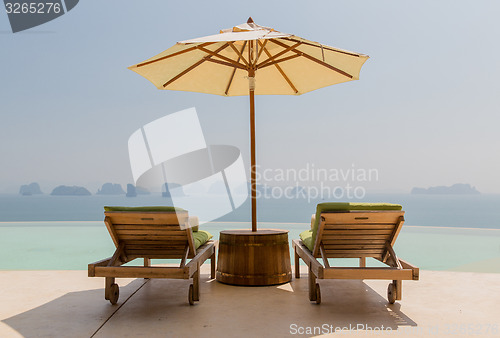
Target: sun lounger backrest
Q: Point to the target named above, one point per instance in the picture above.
(151, 234)
(357, 234)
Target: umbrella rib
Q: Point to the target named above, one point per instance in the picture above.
(171, 55)
(307, 56)
(234, 69)
(274, 57)
(280, 60)
(240, 55)
(232, 65)
(261, 50)
(228, 60)
(187, 70)
(281, 71)
(326, 47)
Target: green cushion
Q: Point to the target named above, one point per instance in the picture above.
(201, 237)
(345, 207)
(144, 209)
(306, 237)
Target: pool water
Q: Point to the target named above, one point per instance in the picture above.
(72, 245)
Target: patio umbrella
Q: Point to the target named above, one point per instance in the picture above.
(249, 59)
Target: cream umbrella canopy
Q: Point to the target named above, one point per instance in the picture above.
(249, 59)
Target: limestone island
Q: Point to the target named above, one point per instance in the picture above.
(64, 190)
(30, 189)
(455, 189)
(111, 189)
(179, 192)
(133, 191)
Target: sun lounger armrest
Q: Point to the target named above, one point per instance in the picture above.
(407, 265)
(102, 262)
(203, 253)
(308, 258)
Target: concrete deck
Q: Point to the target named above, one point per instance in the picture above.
(69, 304)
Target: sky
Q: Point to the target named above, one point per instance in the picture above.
(425, 111)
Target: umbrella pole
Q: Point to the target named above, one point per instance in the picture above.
(252, 152)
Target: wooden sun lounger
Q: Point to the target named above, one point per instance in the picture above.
(152, 235)
(356, 234)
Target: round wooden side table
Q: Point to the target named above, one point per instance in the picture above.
(254, 258)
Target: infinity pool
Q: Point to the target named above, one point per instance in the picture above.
(72, 245)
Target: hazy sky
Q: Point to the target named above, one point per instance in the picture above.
(425, 111)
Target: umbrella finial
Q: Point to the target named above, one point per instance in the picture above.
(250, 20)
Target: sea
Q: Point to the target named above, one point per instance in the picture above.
(463, 211)
(441, 232)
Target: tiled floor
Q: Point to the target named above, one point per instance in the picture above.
(69, 304)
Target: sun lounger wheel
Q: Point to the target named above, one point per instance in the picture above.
(191, 294)
(391, 293)
(114, 293)
(318, 294)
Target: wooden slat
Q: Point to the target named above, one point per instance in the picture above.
(141, 272)
(374, 226)
(354, 251)
(163, 232)
(353, 255)
(123, 217)
(149, 237)
(368, 273)
(335, 232)
(382, 217)
(154, 243)
(160, 256)
(176, 251)
(156, 249)
(145, 226)
(166, 245)
(361, 237)
(357, 246)
(355, 241)
(177, 254)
